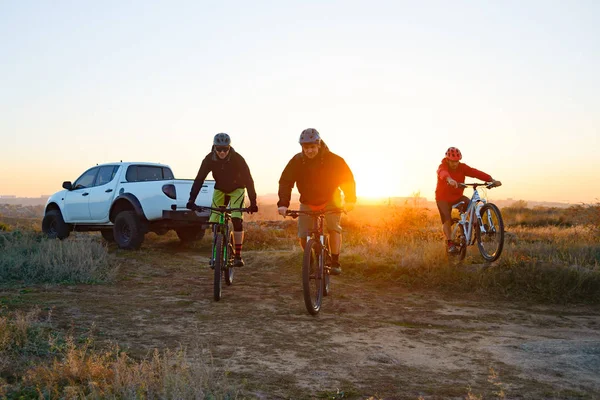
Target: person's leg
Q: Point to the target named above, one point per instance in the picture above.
(237, 201)
(334, 228)
(445, 209)
(304, 222)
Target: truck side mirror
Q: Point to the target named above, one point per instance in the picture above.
(67, 185)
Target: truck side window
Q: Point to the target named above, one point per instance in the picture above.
(143, 173)
(167, 173)
(87, 179)
(131, 175)
(106, 174)
(146, 173)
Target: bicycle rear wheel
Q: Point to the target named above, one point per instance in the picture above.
(229, 255)
(219, 267)
(491, 241)
(312, 276)
(460, 240)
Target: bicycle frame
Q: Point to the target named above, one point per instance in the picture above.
(472, 224)
(471, 214)
(222, 227)
(317, 233)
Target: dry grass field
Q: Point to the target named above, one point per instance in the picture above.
(83, 319)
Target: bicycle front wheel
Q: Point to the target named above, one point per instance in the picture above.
(491, 241)
(219, 266)
(312, 276)
(229, 255)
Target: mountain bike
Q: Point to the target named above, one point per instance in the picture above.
(316, 263)
(223, 252)
(480, 222)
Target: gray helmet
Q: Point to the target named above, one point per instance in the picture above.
(222, 139)
(310, 135)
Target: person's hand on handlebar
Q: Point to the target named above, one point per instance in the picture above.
(282, 211)
(451, 182)
(190, 205)
(496, 183)
(253, 208)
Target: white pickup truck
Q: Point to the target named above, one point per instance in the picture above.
(124, 201)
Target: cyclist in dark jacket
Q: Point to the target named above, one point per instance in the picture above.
(232, 176)
(450, 174)
(320, 177)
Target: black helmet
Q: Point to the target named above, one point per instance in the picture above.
(222, 139)
(310, 135)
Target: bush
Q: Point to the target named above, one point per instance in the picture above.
(29, 257)
(36, 361)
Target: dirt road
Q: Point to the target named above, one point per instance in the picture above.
(371, 338)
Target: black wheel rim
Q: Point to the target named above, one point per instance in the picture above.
(125, 233)
(53, 228)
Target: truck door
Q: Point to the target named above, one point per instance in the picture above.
(76, 200)
(103, 192)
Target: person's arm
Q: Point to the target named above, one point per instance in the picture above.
(199, 180)
(286, 184)
(475, 173)
(248, 180)
(444, 175)
(348, 185)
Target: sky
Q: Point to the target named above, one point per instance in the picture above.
(390, 85)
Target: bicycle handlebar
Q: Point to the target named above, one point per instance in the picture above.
(296, 213)
(217, 209)
(488, 185)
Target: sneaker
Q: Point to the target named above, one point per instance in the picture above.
(453, 249)
(238, 262)
(211, 264)
(336, 269)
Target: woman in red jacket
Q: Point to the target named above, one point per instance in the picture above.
(450, 174)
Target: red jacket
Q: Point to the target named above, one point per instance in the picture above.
(445, 192)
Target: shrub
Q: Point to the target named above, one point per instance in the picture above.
(31, 258)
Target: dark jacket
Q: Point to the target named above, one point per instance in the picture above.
(445, 192)
(317, 179)
(230, 173)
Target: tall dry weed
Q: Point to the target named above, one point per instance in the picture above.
(31, 258)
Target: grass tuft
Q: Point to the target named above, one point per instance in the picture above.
(30, 258)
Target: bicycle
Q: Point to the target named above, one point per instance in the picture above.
(316, 263)
(480, 222)
(223, 252)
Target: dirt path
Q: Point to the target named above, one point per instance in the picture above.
(369, 340)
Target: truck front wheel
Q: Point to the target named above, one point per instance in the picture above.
(54, 226)
(128, 231)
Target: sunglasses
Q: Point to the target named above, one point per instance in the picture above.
(222, 149)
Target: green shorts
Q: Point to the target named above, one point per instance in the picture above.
(332, 220)
(236, 200)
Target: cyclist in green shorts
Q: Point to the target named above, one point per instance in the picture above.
(319, 175)
(232, 178)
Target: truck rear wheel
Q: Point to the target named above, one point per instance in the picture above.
(54, 226)
(190, 234)
(128, 231)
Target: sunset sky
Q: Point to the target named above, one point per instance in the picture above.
(389, 84)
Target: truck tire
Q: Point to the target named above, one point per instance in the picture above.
(108, 235)
(190, 234)
(54, 226)
(128, 230)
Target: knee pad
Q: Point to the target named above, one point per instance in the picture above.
(238, 224)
